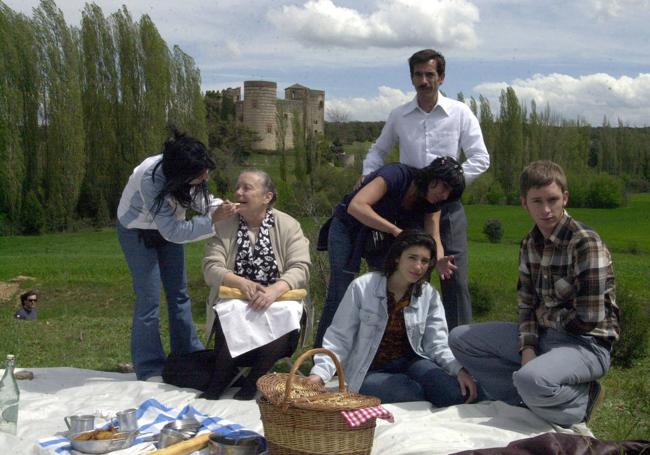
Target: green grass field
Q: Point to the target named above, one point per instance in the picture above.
(86, 298)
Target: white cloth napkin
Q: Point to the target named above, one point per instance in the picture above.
(246, 329)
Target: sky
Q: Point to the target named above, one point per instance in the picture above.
(586, 59)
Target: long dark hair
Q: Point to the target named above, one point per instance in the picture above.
(184, 159)
(444, 169)
(407, 239)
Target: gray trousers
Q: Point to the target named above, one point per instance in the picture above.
(554, 385)
(455, 291)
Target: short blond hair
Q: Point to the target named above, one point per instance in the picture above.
(541, 173)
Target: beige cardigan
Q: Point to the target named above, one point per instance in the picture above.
(290, 246)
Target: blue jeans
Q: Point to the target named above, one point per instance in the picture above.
(554, 385)
(148, 266)
(418, 379)
(339, 248)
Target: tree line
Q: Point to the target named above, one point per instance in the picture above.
(80, 107)
(603, 162)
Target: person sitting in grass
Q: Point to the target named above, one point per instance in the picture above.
(390, 333)
(568, 319)
(27, 311)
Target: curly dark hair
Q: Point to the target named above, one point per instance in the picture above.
(184, 159)
(407, 239)
(445, 169)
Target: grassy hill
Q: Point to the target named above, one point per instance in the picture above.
(85, 305)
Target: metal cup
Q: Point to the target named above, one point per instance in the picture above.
(241, 442)
(169, 437)
(80, 423)
(127, 420)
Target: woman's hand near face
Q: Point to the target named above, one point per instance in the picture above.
(225, 210)
(467, 385)
(445, 267)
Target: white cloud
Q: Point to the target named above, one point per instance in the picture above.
(394, 24)
(371, 109)
(590, 97)
(615, 8)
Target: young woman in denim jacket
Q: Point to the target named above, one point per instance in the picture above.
(390, 333)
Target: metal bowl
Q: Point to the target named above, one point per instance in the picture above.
(118, 441)
(188, 426)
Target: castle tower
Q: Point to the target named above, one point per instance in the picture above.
(259, 111)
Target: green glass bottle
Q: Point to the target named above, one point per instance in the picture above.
(9, 396)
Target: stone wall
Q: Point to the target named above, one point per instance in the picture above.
(260, 108)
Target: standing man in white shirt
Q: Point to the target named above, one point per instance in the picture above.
(428, 127)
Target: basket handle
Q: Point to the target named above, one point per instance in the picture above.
(300, 360)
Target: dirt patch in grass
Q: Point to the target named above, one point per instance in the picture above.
(9, 288)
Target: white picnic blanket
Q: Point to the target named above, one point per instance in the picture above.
(418, 428)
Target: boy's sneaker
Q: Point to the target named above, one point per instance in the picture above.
(596, 396)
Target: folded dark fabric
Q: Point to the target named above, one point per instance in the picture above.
(565, 444)
(323, 235)
(193, 370)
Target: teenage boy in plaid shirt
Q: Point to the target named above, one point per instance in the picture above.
(568, 318)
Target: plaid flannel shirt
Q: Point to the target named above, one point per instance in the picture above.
(566, 282)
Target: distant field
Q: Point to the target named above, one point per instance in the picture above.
(86, 297)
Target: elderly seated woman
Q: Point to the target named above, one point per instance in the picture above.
(263, 253)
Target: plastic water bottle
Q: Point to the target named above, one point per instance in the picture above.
(9, 395)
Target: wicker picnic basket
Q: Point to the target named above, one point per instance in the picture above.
(299, 418)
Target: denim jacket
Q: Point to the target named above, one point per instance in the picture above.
(360, 322)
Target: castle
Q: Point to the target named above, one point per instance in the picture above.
(262, 112)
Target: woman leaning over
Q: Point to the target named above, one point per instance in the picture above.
(390, 333)
(263, 253)
(152, 229)
(393, 198)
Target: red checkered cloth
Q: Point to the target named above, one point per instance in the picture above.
(359, 416)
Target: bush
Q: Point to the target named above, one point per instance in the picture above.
(596, 191)
(635, 329)
(493, 230)
(605, 191)
(483, 299)
(496, 195)
(579, 188)
(32, 218)
(477, 191)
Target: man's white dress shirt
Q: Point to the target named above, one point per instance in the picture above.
(425, 136)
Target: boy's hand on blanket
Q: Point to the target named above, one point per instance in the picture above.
(467, 385)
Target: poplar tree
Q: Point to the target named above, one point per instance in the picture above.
(509, 148)
(130, 85)
(62, 124)
(187, 108)
(488, 127)
(100, 97)
(156, 69)
(12, 166)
